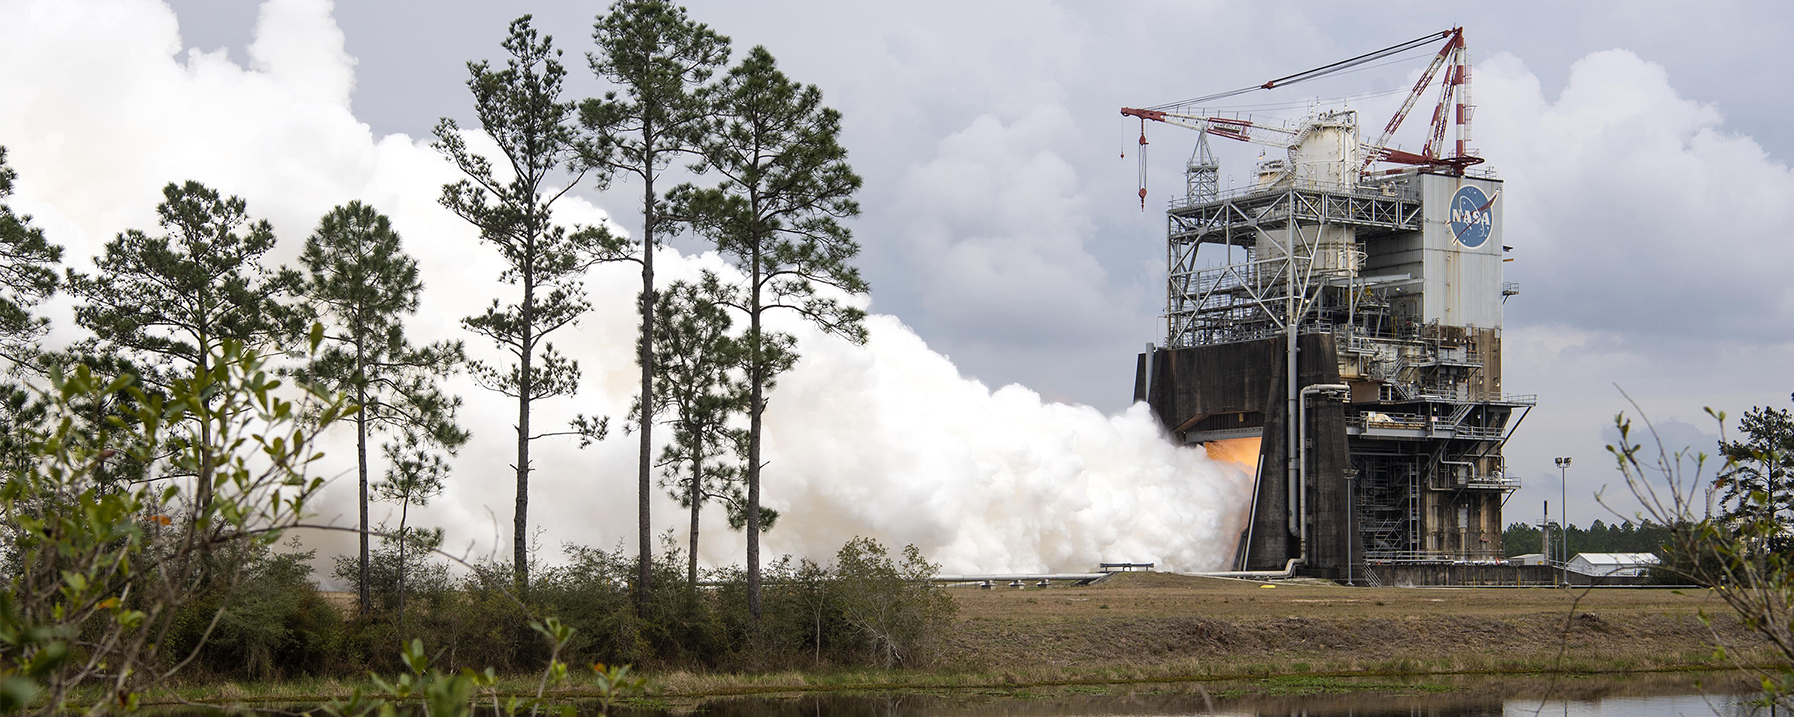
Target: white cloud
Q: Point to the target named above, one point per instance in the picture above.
(1634, 210)
(1647, 244)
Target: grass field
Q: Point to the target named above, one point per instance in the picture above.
(1161, 624)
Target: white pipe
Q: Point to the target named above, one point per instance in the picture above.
(1292, 379)
(1302, 459)
(1289, 571)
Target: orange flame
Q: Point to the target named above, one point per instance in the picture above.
(1240, 451)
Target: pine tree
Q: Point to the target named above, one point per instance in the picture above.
(28, 275)
(1762, 464)
(699, 394)
(415, 473)
(657, 57)
(167, 302)
(520, 108)
(776, 215)
(163, 305)
(364, 286)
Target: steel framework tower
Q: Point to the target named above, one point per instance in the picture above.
(1389, 288)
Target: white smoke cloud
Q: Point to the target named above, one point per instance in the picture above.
(887, 440)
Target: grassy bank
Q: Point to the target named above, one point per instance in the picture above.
(1157, 629)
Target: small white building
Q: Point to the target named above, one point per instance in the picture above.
(1528, 559)
(1619, 565)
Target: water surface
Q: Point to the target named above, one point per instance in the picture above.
(1647, 695)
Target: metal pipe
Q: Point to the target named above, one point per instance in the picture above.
(1289, 413)
(1351, 475)
(1291, 380)
(1011, 577)
(1289, 571)
(1563, 509)
(1302, 460)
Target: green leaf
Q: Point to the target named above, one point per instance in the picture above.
(16, 693)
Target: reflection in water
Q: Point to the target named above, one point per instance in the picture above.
(1650, 696)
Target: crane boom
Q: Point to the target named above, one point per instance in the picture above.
(1453, 58)
(1240, 128)
(1426, 78)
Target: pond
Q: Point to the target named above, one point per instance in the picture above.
(1641, 695)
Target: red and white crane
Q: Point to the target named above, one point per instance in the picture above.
(1453, 108)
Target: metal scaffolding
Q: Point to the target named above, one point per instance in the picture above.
(1426, 419)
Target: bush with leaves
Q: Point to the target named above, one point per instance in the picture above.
(1729, 541)
(273, 625)
(460, 694)
(427, 583)
(891, 604)
(105, 568)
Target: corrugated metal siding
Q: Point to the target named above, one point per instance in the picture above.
(1462, 284)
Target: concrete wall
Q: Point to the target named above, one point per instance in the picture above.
(1482, 575)
(1192, 384)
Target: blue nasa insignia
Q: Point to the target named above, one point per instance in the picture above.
(1471, 219)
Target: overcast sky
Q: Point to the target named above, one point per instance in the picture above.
(1643, 144)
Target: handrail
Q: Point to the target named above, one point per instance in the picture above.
(1401, 192)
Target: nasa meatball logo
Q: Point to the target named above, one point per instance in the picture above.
(1470, 217)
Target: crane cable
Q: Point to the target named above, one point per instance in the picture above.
(1315, 73)
(1142, 164)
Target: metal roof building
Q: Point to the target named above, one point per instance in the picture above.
(1627, 565)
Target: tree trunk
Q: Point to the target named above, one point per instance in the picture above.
(194, 542)
(361, 463)
(756, 373)
(697, 501)
(404, 513)
(520, 525)
(645, 349)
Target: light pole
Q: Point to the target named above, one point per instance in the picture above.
(1563, 472)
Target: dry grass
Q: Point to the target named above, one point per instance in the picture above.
(1168, 595)
(1176, 624)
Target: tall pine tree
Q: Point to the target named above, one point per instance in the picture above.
(29, 274)
(657, 57)
(363, 285)
(520, 108)
(777, 216)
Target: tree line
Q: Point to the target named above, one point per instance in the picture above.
(162, 419)
(1598, 537)
(782, 187)
(767, 184)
